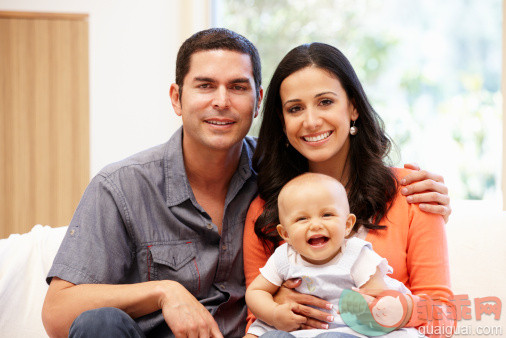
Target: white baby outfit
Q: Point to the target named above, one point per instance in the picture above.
(352, 267)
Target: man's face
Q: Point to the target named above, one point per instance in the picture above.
(218, 100)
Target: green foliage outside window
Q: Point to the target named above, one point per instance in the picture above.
(431, 69)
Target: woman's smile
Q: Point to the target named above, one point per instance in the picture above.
(313, 138)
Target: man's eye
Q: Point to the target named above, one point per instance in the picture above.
(205, 86)
(239, 88)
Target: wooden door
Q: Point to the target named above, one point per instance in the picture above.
(44, 118)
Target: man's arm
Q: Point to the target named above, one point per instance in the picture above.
(428, 190)
(260, 301)
(183, 313)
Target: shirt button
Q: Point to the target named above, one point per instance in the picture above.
(209, 226)
(224, 247)
(222, 286)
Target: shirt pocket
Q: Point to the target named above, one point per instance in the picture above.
(176, 262)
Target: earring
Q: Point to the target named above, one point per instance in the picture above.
(353, 129)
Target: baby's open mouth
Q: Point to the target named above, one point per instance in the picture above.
(318, 240)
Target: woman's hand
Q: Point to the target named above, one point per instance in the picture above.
(428, 190)
(300, 304)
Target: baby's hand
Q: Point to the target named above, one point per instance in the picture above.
(285, 319)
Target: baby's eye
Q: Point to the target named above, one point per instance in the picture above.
(328, 214)
(300, 219)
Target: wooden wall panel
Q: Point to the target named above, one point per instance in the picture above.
(44, 124)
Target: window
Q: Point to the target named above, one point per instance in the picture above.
(431, 69)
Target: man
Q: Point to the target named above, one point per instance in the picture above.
(164, 227)
(157, 237)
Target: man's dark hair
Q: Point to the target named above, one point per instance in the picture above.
(212, 39)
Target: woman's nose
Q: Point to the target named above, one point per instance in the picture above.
(312, 120)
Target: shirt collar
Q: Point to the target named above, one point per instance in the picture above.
(177, 186)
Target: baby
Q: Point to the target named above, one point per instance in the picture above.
(315, 221)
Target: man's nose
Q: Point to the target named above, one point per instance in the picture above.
(221, 99)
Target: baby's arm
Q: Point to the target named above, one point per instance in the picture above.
(260, 301)
(374, 287)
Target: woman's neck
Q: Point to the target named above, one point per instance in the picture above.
(337, 169)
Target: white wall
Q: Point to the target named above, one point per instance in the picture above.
(133, 47)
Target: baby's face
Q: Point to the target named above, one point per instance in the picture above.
(314, 220)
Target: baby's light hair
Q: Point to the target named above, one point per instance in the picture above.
(312, 177)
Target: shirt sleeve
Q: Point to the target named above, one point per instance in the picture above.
(366, 264)
(255, 254)
(271, 270)
(428, 268)
(96, 248)
(429, 273)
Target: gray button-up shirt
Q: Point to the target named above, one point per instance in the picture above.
(138, 220)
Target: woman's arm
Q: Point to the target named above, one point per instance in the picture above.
(415, 245)
(429, 273)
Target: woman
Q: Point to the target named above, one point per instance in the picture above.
(317, 118)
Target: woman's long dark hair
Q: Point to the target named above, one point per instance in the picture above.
(371, 184)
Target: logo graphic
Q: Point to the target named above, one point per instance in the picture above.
(381, 316)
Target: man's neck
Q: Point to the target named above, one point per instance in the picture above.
(209, 173)
(210, 169)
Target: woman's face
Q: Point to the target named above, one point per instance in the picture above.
(317, 115)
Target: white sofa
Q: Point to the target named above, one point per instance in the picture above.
(476, 236)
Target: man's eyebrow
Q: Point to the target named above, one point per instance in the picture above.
(203, 79)
(317, 95)
(240, 80)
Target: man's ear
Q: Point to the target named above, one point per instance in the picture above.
(282, 232)
(175, 98)
(350, 222)
(260, 97)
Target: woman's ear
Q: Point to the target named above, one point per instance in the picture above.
(282, 232)
(350, 222)
(353, 110)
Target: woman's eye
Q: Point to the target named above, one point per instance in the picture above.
(326, 102)
(294, 109)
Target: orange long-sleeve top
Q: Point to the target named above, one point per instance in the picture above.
(414, 243)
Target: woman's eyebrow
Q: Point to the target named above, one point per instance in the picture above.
(292, 100)
(325, 93)
(317, 95)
